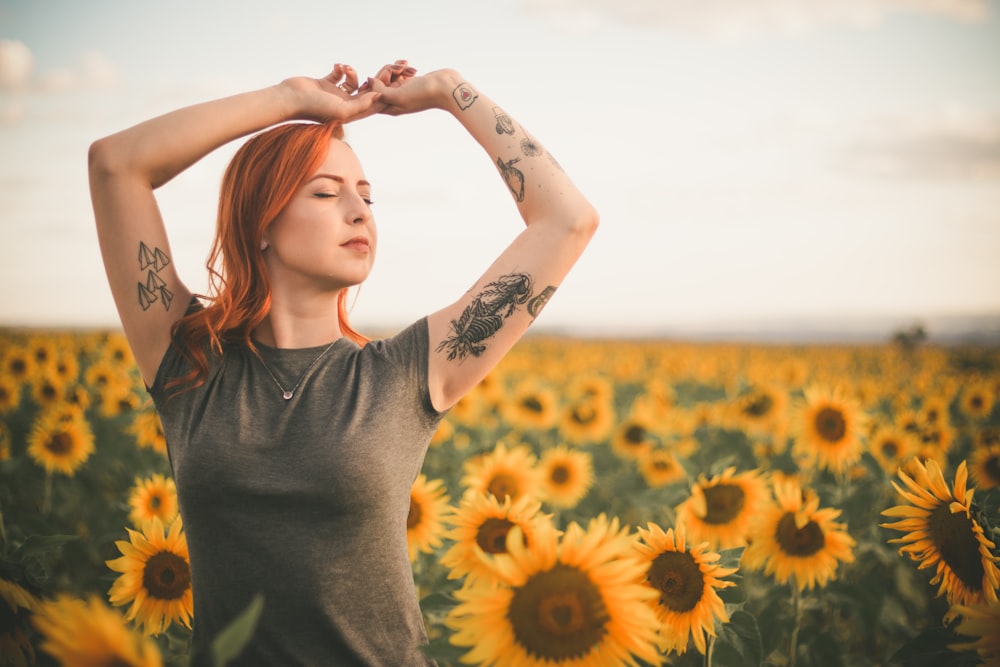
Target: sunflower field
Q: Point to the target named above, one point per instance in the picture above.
(592, 502)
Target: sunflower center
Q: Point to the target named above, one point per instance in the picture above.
(60, 444)
(155, 502)
(558, 614)
(678, 578)
(799, 542)
(830, 424)
(992, 468)
(723, 503)
(976, 402)
(415, 515)
(583, 414)
(954, 537)
(635, 434)
(492, 535)
(502, 485)
(758, 405)
(166, 576)
(532, 403)
(560, 475)
(890, 448)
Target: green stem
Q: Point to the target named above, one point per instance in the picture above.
(47, 494)
(708, 651)
(797, 604)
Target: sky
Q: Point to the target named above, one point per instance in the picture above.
(751, 160)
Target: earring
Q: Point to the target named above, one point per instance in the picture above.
(263, 244)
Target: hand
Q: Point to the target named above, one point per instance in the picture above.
(410, 94)
(334, 97)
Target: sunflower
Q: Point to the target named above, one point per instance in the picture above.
(15, 604)
(567, 475)
(118, 399)
(117, 352)
(942, 533)
(148, 431)
(18, 364)
(504, 472)
(60, 441)
(721, 510)
(10, 393)
(891, 447)
(424, 523)
(981, 624)
(827, 427)
(47, 388)
(5, 442)
(984, 467)
(660, 467)
(633, 437)
(976, 400)
(90, 634)
(569, 603)
(155, 496)
(155, 576)
(532, 407)
(934, 410)
(587, 419)
(686, 579)
(795, 538)
(761, 410)
(481, 524)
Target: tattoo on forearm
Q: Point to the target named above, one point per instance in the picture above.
(530, 148)
(485, 315)
(155, 288)
(464, 96)
(504, 124)
(538, 301)
(513, 176)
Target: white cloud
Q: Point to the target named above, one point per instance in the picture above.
(738, 18)
(953, 143)
(15, 64)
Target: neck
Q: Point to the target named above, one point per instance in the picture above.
(301, 325)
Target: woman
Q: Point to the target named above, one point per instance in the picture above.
(293, 443)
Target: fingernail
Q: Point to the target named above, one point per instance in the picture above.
(410, 70)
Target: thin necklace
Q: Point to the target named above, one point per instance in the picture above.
(288, 393)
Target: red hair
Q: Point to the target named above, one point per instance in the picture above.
(259, 182)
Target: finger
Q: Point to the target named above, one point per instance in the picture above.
(350, 82)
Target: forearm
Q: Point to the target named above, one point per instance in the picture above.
(538, 184)
(158, 149)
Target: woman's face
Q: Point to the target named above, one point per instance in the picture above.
(326, 234)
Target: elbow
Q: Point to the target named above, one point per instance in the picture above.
(102, 158)
(586, 222)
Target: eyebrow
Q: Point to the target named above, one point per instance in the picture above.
(338, 179)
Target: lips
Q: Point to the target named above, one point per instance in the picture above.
(358, 243)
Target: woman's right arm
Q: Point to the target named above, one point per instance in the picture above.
(126, 167)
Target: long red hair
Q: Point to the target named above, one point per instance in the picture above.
(259, 182)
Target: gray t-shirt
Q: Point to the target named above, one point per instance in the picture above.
(305, 500)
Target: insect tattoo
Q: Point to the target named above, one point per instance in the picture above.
(154, 288)
(482, 318)
(513, 176)
(504, 124)
(464, 96)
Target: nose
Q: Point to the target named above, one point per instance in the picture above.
(359, 212)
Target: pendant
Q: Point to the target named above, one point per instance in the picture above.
(287, 395)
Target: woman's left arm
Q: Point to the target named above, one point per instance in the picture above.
(469, 337)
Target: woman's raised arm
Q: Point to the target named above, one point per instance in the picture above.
(469, 337)
(126, 167)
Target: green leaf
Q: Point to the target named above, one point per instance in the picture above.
(37, 545)
(738, 643)
(228, 643)
(437, 602)
(443, 651)
(930, 649)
